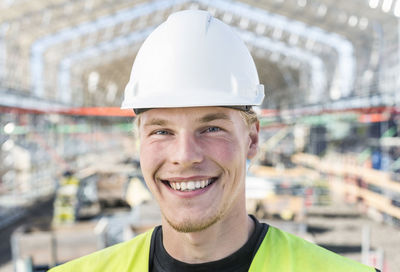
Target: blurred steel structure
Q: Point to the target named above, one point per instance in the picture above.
(308, 52)
(330, 68)
(59, 56)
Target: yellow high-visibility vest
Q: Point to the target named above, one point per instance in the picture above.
(279, 251)
(69, 181)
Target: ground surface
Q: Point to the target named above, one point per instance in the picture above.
(339, 228)
(39, 214)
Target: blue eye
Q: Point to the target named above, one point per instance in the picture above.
(213, 129)
(161, 132)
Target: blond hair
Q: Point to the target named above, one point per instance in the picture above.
(249, 116)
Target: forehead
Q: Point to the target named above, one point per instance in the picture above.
(191, 114)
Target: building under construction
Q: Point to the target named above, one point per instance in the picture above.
(328, 166)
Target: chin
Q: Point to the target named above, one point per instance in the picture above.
(193, 225)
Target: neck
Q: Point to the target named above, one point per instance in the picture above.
(214, 243)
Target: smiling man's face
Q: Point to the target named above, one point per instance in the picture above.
(194, 160)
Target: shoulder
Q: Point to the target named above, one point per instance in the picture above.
(283, 251)
(121, 257)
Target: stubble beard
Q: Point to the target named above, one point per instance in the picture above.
(195, 225)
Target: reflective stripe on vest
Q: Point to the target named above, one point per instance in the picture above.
(279, 251)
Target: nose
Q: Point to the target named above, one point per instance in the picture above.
(186, 151)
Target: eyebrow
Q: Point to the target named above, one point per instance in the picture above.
(213, 116)
(205, 119)
(156, 122)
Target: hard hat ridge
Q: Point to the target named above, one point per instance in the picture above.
(190, 60)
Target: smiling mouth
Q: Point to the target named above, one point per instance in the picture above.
(190, 185)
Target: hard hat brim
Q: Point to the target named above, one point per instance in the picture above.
(199, 98)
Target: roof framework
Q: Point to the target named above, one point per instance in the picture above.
(309, 53)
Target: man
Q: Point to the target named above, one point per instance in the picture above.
(192, 87)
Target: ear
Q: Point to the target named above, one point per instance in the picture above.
(253, 144)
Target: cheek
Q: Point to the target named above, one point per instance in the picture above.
(223, 151)
(150, 157)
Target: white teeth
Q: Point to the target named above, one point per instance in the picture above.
(189, 185)
(183, 186)
(198, 184)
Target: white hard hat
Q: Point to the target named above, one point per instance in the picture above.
(192, 60)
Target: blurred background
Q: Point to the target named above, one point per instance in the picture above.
(328, 167)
